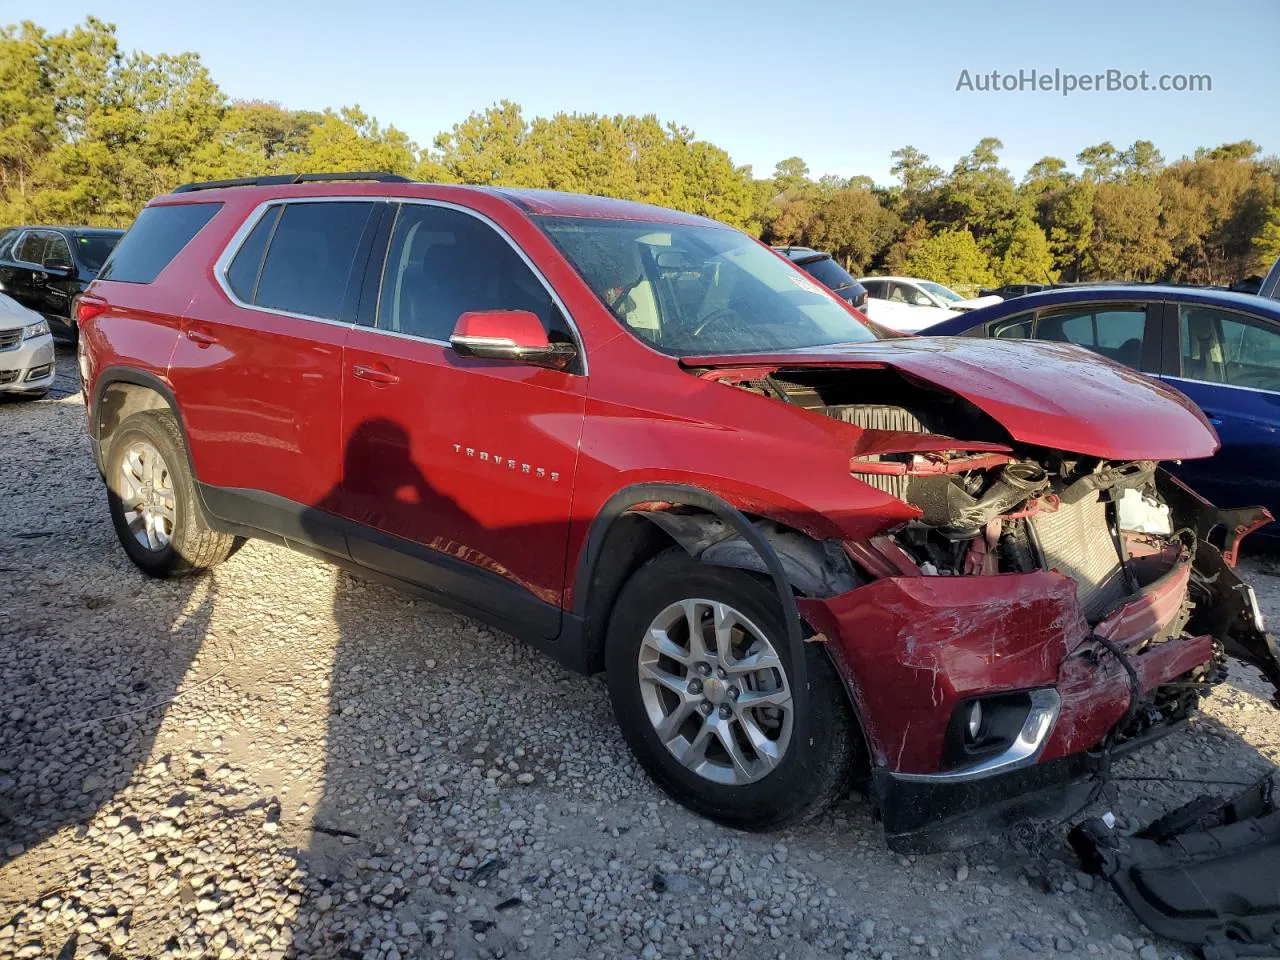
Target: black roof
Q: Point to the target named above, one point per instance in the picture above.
(74, 231)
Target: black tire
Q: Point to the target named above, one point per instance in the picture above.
(810, 775)
(193, 547)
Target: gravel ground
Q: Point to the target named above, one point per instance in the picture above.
(279, 760)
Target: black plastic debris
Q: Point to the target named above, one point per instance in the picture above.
(1207, 874)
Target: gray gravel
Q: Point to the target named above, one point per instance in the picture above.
(280, 760)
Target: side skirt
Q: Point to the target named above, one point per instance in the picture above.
(395, 561)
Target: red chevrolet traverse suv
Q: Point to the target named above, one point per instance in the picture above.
(649, 445)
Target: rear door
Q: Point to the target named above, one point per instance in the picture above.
(258, 367)
(1228, 362)
(1128, 333)
(458, 471)
(20, 280)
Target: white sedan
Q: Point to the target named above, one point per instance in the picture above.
(26, 351)
(908, 304)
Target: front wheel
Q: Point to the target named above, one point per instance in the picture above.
(700, 676)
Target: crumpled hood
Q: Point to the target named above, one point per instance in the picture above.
(1052, 395)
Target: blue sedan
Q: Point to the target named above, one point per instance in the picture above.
(1221, 349)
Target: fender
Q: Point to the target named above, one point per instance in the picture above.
(629, 497)
(113, 375)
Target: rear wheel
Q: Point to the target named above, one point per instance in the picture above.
(700, 676)
(153, 499)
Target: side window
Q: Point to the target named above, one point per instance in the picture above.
(1114, 332)
(31, 247)
(1012, 328)
(312, 259)
(874, 288)
(156, 237)
(57, 249)
(242, 274)
(1222, 347)
(442, 263)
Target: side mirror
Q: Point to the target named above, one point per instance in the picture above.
(515, 336)
(57, 266)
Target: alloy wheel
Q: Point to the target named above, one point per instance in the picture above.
(147, 495)
(715, 691)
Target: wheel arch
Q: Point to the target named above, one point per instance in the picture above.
(121, 392)
(625, 535)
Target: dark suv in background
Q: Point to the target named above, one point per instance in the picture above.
(46, 268)
(823, 268)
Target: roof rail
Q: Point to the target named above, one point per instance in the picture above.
(288, 178)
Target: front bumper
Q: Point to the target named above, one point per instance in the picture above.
(28, 366)
(914, 649)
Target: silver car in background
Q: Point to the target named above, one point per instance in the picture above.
(26, 351)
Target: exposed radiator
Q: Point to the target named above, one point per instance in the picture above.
(1076, 542)
(875, 416)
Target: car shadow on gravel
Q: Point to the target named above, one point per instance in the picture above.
(71, 736)
(445, 792)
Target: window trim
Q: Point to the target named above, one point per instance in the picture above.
(546, 285)
(1249, 319)
(223, 263)
(17, 244)
(55, 234)
(1149, 360)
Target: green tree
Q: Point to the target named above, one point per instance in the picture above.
(979, 194)
(1142, 160)
(952, 257)
(1127, 242)
(791, 173)
(1023, 254)
(1266, 246)
(851, 225)
(1100, 162)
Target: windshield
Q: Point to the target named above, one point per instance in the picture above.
(92, 251)
(688, 290)
(938, 290)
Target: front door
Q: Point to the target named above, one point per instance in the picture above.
(460, 471)
(55, 288)
(1229, 364)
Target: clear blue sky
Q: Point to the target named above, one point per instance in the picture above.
(837, 83)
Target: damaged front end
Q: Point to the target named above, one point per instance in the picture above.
(1045, 611)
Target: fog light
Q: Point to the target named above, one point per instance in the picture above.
(973, 725)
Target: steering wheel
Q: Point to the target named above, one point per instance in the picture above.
(714, 317)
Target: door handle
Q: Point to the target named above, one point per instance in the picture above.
(200, 338)
(373, 374)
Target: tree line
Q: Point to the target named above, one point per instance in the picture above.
(89, 133)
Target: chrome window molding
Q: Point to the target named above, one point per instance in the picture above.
(18, 243)
(223, 263)
(1023, 752)
(546, 285)
(1228, 386)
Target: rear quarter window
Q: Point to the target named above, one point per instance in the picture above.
(156, 237)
